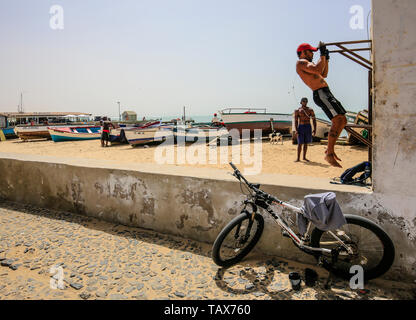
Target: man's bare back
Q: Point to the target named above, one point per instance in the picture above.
(312, 75)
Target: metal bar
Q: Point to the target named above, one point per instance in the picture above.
(348, 42)
(359, 137)
(355, 55)
(361, 126)
(358, 49)
(370, 112)
(355, 60)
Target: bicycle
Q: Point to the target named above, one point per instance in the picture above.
(359, 242)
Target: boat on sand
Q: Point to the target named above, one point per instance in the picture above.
(256, 118)
(74, 133)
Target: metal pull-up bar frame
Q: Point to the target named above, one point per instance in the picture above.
(352, 55)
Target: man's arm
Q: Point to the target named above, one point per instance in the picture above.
(326, 69)
(314, 123)
(296, 120)
(310, 67)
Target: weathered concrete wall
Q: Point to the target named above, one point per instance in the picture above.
(394, 57)
(394, 115)
(192, 203)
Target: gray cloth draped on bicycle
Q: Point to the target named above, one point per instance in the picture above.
(322, 210)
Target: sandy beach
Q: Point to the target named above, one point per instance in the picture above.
(274, 158)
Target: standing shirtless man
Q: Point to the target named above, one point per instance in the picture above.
(313, 75)
(303, 127)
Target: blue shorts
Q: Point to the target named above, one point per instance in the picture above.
(304, 133)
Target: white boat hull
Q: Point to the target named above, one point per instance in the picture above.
(281, 122)
(144, 136)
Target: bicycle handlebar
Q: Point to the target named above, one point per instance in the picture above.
(258, 191)
(233, 166)
(239, 175)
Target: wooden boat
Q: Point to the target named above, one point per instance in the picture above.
(9, 133)
(360, 118)
(150, 133)
(32, 132)
(6, 131)
(118, 135)
(74, 133)
(351, 116)
(322, 129)
(254, 118)
(199, 132)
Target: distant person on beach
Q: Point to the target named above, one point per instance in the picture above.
(105, 135)
(303, 127)
(313, 75)
(216, 122)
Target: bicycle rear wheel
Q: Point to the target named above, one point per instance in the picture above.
(372, 248)
(237, 239)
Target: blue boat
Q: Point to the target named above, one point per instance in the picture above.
(75, 133)
(7, 131)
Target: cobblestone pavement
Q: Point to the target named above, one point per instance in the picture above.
(102, 260)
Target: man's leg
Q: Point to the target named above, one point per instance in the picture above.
(299, 151)
(305, 149)
(338, 124)
(336, 112)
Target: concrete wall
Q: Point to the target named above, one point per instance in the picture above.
(394, 115)
(193, 202)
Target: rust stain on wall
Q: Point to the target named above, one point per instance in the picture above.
(180, 224)
(148, 206)
(202, 200)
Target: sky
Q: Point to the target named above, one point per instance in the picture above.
(157, 56)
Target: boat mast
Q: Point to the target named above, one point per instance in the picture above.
(20, 106)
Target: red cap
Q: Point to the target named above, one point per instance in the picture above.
(306, 46)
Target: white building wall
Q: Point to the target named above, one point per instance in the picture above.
(394, 117)
(394, 43)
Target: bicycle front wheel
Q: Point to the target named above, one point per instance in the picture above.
(371, 247)
(237, 239)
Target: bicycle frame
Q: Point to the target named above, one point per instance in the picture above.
(284, 225)
(265, 200)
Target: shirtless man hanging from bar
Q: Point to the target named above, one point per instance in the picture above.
(313, 75)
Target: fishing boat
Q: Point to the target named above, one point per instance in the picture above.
(322, 129)
(256, 118)
(149, 133)
(74, 133)
(351, 116)
(360, 118)
(117, 135)
(7, 132)
(199, 132)
(32, 132)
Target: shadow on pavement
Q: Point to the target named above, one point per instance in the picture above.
(259, 275)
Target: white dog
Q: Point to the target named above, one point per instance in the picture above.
(275, 137)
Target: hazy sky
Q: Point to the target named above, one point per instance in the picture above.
(157, 56)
